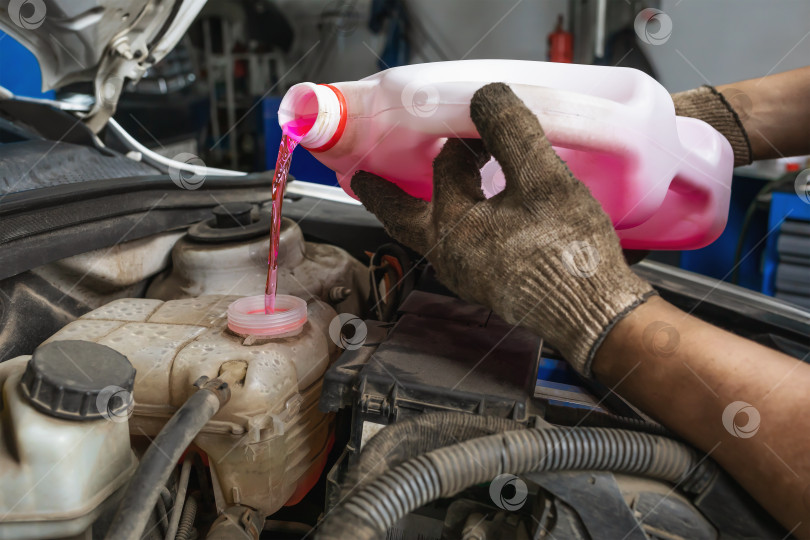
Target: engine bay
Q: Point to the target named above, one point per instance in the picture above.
(114, 294)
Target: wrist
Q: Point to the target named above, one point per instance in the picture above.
(646, 326)
(576, 315)
(717, 109)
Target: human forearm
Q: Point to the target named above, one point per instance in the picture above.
(775, 112)
(543, 254)
(685, 373)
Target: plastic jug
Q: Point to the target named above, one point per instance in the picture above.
(663, 180)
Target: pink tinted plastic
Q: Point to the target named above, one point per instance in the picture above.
(246, 316)
(663, 180)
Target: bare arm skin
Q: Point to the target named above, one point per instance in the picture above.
(685, 372)
(775, 112)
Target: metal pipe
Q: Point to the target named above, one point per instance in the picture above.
(601, 30)
(179, 500)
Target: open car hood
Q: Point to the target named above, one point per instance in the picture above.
(104, 41)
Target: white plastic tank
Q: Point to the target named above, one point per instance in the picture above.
(64, 444)
(269, 443)
(212, 259)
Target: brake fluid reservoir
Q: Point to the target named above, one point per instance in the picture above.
(64, 443)
(269, 442)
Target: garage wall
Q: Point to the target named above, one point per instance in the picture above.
(460, 29)
(487, 28)
(731, 40)
(717, 41)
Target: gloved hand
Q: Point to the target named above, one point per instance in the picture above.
(541, 254)
(708, 104)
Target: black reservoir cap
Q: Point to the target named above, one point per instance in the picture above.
(79, 380)
(232, 222)
(230, 215)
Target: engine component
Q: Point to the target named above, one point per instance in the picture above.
(55, 387)
(431, 361)
(160, 458)
(179, 510)
(231, 222)
(79, 394)
(606, 505)
(447, 471)
(415, 436)
(470, 521)
(392, 278)
(216, 257)
(236, 523)
(186, 526)
(577, 505)
(99, 276)
(269, 441)
(394, 387)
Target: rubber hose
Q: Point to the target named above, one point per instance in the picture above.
(562, 418)
(162, 456)
(630, 424)
(187, 520)
(413, 437)
(447, 471)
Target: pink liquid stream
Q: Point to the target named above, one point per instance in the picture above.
(291, 134)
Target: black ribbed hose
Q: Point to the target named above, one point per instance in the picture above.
(162, 456)
(445, 472)
(415, 436)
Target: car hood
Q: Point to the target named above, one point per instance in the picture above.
(104, 41)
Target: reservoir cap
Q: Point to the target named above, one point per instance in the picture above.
(230, 215)
(79, 380)
(232, 222)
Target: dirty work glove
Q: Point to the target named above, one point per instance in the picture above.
(541, 254)
(707, 104)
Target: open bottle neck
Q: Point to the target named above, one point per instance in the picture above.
(313, 114)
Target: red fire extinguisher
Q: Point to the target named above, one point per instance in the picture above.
(560, 44)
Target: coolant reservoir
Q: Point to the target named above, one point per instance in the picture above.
(64, 444)
(269, 442)
(227, 254)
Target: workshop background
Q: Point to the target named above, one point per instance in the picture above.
(241, 56)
